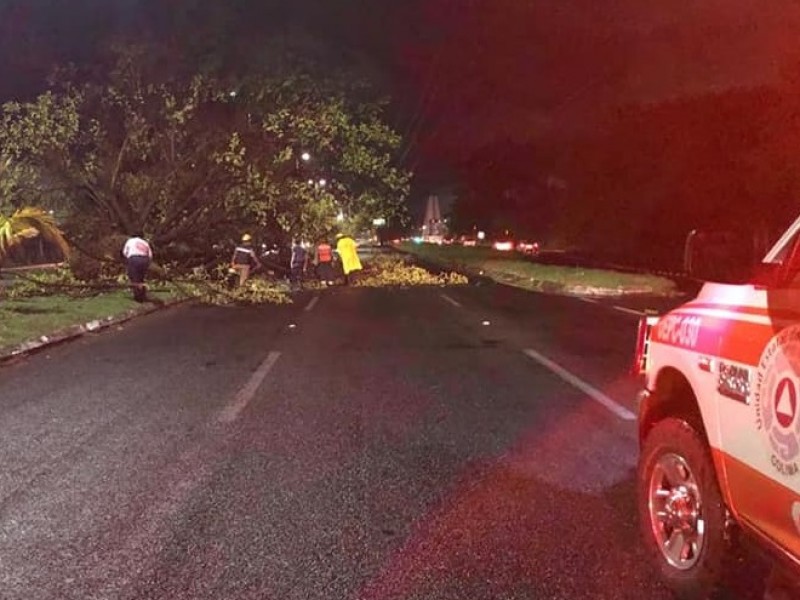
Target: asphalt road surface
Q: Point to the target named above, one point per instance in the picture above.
(470, 443)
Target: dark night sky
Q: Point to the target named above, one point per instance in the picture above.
(464, 73)
(515, 67)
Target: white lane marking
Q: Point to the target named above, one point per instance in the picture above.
(245, 395)
(312, 304)
(629, 311)
(595, 394)
(452, 301)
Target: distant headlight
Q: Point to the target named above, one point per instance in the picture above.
(503, 246)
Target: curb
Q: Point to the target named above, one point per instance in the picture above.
(75, 331)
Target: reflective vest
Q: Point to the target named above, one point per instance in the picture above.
(348, 252)
(324, 253)
(243, 256)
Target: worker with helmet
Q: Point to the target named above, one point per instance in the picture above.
(244, 260)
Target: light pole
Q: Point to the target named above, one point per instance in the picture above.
(303, 157)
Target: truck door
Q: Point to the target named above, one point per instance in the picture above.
(758, 386)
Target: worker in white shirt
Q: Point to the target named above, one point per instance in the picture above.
(138, 255)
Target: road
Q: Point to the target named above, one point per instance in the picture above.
(470, 442)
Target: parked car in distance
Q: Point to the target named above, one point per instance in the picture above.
(503, 245)
(528, 247)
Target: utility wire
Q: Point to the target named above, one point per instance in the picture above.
(430, 89)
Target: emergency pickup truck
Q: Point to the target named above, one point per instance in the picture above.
(719, 427)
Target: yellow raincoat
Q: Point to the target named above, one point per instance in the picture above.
(346, 247)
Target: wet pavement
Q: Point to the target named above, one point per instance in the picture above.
(364, 444)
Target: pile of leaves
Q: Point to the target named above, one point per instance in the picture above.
(386, 271)
(218, 288)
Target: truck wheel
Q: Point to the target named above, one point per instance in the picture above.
(681, 511)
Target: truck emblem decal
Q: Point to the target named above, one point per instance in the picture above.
(776, 400)
(734, 382)
(785, 402)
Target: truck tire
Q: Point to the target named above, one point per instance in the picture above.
(681, 510)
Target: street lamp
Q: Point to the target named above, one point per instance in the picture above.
(305, 156)
(322, 183)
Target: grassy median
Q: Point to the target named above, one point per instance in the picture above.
(30, 318)
(513, 269)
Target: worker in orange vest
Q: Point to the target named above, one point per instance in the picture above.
(323, 258)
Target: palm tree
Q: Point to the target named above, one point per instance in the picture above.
(26, 223)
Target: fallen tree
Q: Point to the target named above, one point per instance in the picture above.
(193, 161)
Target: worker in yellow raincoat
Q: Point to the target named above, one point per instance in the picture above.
(348, 253)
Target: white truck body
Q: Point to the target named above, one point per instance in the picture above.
(737, 349)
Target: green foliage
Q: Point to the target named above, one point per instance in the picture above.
(191, 162)
(26, 223)
(351, 150)
(27, 132)
(49, 283)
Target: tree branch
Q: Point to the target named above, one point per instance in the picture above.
(190, 219)
(115, 173)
